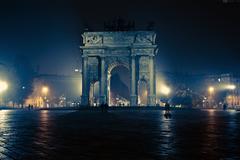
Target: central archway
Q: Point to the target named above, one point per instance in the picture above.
(118, 85)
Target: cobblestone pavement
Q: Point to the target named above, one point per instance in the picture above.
(70, 135)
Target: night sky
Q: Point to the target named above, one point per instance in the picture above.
(193, 36)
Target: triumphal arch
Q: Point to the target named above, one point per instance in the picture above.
(103, 51)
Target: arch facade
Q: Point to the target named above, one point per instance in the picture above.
(102, 51)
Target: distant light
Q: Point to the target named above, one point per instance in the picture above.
(3, 86)
(232, 111)
(45, 90)
(231, 87)
(211, 89)
(165, 90)
(211, 111)
(146, 93)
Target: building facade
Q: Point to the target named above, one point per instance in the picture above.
(223, 88)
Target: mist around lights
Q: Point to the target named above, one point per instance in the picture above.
(3, 86)
(162, 87)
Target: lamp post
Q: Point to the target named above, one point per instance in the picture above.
(45, 91)
(211, 90)
(232, 88)
(3, 88)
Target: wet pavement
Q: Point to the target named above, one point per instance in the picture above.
(189, 134)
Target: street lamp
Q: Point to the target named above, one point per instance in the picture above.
(211, 90)
(231, 87)
(45, 91)
(3, 86)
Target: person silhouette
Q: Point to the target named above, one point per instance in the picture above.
(167, 113)
(106, 107)
(224, 106)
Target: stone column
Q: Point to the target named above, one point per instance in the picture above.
(103, 78)
(152, 94)
(108, 89)
(133, 100)
(85, 85)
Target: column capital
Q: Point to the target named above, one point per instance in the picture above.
(84, 56)
(151, 55)
(102, 56)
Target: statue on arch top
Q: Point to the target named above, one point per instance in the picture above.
(119, 24)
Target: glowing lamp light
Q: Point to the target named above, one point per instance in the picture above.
(231, 87)
(3, 86)
(45, 90)
(211, 89)
(165, 90)
(145, 93)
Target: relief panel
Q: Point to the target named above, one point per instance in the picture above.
(144, 68)
(93, 71)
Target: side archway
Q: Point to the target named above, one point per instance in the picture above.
(94, 93)
(143, 92)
